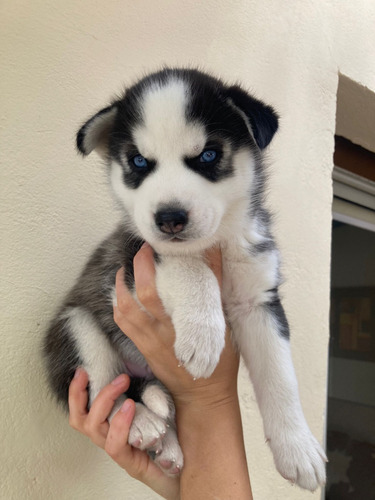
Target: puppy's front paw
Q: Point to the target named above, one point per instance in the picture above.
(299, 458)
(199, 344)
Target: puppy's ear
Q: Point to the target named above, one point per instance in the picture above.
(263, 119)
(94, 133)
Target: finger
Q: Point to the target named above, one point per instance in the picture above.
(78, 399)
(116, 444)
(144, 276)
(127, 306)
(96, 424)
(214, 261)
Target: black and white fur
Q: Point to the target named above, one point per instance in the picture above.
(181, 205)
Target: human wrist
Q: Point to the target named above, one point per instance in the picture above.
(211, 436)
(212, 399)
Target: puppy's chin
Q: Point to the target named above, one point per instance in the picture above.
(178, 246)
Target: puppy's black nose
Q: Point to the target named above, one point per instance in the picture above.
(171, 221)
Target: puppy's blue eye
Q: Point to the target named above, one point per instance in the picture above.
(208, 156)
(139, 161)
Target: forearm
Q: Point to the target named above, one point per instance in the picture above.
(212, 441)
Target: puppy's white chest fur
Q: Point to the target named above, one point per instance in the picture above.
(248, 275)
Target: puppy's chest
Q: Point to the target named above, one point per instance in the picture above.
(247, 278)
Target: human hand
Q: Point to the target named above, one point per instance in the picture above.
(153, 334)
(113, 436)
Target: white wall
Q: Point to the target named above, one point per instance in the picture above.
(62, 60)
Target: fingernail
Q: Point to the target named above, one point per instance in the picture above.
(125, 407)
(77, 372)
(119, 380)
(145, 245)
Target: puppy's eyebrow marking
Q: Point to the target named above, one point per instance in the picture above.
(131, 148)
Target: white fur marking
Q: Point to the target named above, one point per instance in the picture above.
(157, 400)
(101, 361)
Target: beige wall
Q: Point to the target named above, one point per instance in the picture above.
(62, 60)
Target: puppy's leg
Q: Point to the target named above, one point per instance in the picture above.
(191, 296)
(264, 344)
(100, 360)
(154, 415)
(261, 332)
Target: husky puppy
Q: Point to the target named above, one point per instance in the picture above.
(183, 153)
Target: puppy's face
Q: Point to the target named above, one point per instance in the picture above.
(182, 157)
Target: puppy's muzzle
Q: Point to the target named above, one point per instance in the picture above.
(171, 221)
